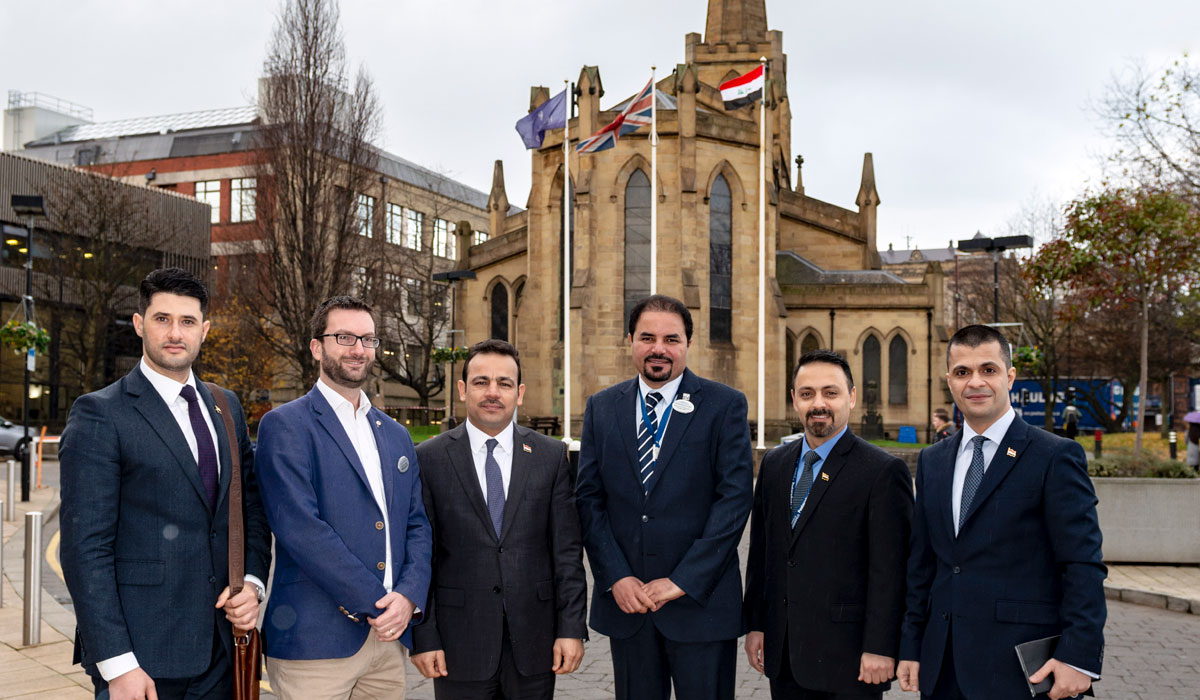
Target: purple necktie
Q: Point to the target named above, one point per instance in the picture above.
(204, 445)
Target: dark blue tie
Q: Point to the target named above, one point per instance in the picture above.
(974, 478)
(802, 485)
(495, 487)
(645, 438)
(206, 452)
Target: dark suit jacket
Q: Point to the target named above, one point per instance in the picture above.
(834, 585)
(143, 557)
(329, 538)
(687, 529)
(534, 571)
(1026, 564)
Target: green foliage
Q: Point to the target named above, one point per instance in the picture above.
(22, 335)
(447, 355)
(1140, 466)
(1028, 359)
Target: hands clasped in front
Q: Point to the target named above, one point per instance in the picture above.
(397, 613)
(633, 596)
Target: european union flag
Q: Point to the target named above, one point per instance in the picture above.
(552, 114)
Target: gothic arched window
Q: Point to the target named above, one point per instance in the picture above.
(871, 366)
(898, 371)
(500, 311)
(637, 241)
(720, 262)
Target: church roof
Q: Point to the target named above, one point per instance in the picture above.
(895, 257)
(792, 269)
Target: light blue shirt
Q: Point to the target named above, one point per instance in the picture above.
(822, 452)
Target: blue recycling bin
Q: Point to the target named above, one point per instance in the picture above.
(908, 434)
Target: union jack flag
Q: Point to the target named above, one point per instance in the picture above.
(635, 115)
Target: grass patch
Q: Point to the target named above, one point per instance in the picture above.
(904, 445)
(1144, 466)
(1121, 444)
(421, 433)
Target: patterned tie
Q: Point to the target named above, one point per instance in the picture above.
(804, 484)
(207, 454)
(495, 487)
(974, 477)
(645, 439)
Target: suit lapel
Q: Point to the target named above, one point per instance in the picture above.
(677, 423)
(941, 485)
(218, 422)
(830, 467)
(388, 468)
(149, 403)
(458, 454)
(329, 421)
(522, 463)
(626, 404)
(1007, 453)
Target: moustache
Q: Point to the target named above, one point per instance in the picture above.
(818, 412)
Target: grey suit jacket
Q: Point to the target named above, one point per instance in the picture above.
(533, 571)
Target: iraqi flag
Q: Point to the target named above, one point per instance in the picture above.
(744, 89)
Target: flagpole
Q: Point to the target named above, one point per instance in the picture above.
(566, 320)
(762, 258)
(653, 184)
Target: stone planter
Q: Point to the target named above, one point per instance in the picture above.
(1149, 520)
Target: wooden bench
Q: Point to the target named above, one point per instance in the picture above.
(545, 424)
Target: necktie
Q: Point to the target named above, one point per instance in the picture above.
(495, 487)
(645, 439)
(803, 485)
(974, 477)
(206, 453)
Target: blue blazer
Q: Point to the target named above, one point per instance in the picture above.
(329, 539)
(143, 556)
(1026, 564)
(687, 529)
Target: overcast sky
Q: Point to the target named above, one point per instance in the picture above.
(971, 108)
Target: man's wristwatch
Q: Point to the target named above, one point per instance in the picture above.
(262, 595)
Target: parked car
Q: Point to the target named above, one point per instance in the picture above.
(12, 439)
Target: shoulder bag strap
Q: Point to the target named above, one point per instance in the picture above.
(237, 536)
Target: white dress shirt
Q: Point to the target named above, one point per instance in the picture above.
(358, 429)
(503, 454)
(994, 434)
(668, 392)
(170, 391)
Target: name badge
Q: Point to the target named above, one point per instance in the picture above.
(402, 464)
(683, 405)
(654, 452)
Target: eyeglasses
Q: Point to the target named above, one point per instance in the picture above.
(368, 341)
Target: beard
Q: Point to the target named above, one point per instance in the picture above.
(173, 363)
(348, 378)
(820, 430)
(657, 374)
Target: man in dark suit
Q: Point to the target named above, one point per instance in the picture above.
(665, 486)
(145, 514)
(828, 545)
(1005, 545)
(509, 593)
(340, 482)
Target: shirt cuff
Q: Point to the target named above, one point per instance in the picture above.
(255, 580)
(1089, 674)
(117, 666)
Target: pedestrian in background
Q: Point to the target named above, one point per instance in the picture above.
(942, 427)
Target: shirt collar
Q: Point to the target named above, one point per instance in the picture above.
(826, 447)
(339, 402)
(479, 438)
(166, 387)
(995, 432)
(667, 390)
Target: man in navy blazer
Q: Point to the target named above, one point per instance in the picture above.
(340, 483)
(665, 486)
(1005, 546)
(145, 514)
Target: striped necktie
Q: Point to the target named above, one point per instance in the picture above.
(974, 478)
(645, 440)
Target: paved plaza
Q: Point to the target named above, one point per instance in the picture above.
(1153, 643)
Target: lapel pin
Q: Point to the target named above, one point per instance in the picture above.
(402, 464)
(527, 448)
(378, 423)
(217, 409)
(1011, 452)
(683, 405)
(824, 476)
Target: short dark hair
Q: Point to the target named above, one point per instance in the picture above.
(941, 414)
(172, 280)
(661, 302)
(828, 357)
(976, 335)
(493, 346)
(316, 326)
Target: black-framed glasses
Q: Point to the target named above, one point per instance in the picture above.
(368, 341)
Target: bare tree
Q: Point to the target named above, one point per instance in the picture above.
(317, 159)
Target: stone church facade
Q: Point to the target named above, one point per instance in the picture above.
(825, 284)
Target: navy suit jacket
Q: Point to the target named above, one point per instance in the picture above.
(142, 555)
(687, 529)
(329, 538)
(1026, 564)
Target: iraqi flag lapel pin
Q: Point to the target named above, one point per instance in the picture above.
(527, 448)
(1011, 452)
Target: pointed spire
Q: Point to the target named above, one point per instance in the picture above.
(867, 194)
(497, 201)
(734, 21)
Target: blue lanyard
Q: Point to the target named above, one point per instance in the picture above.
(662, 423)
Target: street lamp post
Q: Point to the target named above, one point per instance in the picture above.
(453, 276)
(31, 207)
(995, 246)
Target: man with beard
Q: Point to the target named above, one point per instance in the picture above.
(507, 612)
(146, 468)
(828, 545)
(340, 482)
(665, 485)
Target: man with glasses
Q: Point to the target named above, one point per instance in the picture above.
(340, 483)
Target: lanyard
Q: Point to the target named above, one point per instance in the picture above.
(662, 424)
